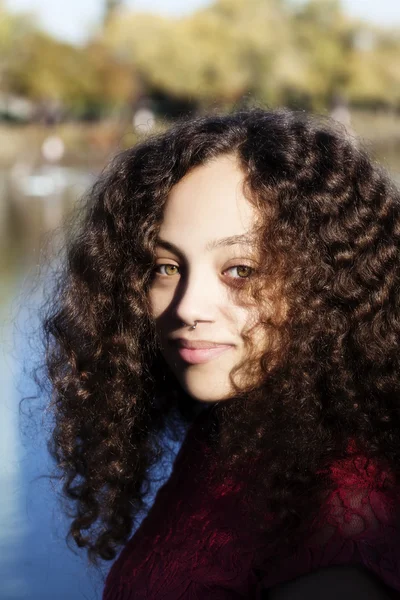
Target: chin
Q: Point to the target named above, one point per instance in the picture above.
(207, 393)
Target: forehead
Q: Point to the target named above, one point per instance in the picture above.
(208, 204)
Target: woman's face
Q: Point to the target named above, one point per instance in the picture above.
(202, 256)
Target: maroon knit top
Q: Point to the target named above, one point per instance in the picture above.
(195, 542)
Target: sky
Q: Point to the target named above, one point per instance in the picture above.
(72, 20)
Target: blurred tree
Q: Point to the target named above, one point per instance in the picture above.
(214, 56)
(323, 39)
(13, 31)
(110, 8)
(86, 82)
(294, 52)
(375, 69)
(116, 86)
(299, 52)
(52, 72)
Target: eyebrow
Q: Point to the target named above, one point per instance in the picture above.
(214, 244)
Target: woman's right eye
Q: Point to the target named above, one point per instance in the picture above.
(167, 269)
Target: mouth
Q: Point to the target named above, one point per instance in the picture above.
(201, 351)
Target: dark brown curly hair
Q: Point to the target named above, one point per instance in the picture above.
(330, 235)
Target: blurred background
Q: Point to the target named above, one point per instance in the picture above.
(80, 80)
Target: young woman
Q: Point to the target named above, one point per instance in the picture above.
(236, 280)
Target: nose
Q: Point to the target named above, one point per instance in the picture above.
(197, 299)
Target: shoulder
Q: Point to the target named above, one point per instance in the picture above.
(360, 521)
(346, 582)
(358, 527)
(364, 501)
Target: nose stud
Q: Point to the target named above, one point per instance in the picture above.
(191, 326)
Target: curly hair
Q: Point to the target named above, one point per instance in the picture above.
(330, 381)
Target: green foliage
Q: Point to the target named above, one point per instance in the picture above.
(277, 51)
(294, 52)
(13, 32)
(84, 81)
(216, 55)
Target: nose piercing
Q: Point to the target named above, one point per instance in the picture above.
(191, 326)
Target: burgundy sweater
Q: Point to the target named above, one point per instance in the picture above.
(195, 543)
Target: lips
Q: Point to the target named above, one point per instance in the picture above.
(201, 351)
(201, 355)
(197, 345)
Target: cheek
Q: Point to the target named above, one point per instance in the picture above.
(159, 301)
(153, 304)
(247, 318)
(251, 330)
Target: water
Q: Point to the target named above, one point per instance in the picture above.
(35, 562)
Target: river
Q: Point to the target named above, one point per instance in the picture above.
(35, 561)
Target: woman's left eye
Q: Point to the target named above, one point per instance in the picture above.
(243, 271)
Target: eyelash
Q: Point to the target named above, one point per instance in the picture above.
(233, 267)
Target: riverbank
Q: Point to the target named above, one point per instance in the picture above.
(86, 145)
(92, 144)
